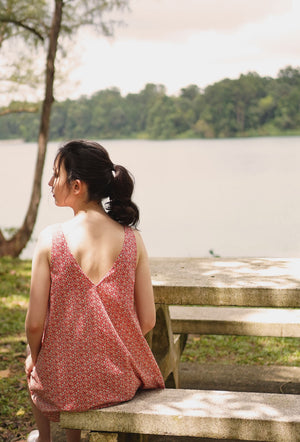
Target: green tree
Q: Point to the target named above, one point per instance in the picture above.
(41, 25)
(219, 112)
(231, 106)
(187, 109)
(161, 121)
(108, 117)
(288, 98)
(249, 105)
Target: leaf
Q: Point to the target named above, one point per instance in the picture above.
(4, 374)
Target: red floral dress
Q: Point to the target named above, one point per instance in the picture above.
(93, 352)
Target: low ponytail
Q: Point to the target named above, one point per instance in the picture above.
(120, 207)
(89, 161)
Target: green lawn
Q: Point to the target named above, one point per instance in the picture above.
(16, 417)
(248, 350)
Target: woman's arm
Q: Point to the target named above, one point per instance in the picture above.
(39, 296)
(143, 292)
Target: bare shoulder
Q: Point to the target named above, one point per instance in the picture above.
(138, 238)
(44, 243)
(141, 249)
(45, 236)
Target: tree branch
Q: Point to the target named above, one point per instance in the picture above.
(2, 239)
(23, 25)
(19, 110)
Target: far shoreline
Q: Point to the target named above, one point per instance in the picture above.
(179, 138)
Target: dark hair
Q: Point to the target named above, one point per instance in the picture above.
(88, 161)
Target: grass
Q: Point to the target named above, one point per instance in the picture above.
(242, 350)
(16, 418)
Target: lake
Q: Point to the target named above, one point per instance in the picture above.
(237, 197)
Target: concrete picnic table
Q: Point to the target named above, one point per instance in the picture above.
(238, 282)
(261, 282)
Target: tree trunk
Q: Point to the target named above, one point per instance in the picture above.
(16, 244)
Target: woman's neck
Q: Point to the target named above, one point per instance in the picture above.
(89, 208)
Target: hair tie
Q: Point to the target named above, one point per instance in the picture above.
(113, 170)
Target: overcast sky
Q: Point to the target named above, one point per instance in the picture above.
(177, 43)
(182, 42)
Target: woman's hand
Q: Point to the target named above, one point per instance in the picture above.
(29, 365)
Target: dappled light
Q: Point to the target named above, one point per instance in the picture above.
(248, 272)
(236, 321)
(214, 414)
(248, 281)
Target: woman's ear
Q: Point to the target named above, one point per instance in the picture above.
(77, 187)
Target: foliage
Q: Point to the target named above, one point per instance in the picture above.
(248, 106)
(26, 27)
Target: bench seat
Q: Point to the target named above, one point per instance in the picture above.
(197, 413)
(275, 322)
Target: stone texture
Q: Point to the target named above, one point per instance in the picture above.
(262, 282)
(268, 379)
(215, 414)
(102, 437)
(248, 378)
(236, 321)
(166, 347)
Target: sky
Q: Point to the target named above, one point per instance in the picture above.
(174, 43)
(181, 42)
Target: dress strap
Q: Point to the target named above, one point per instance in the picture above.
(57, 243)
(130, 246)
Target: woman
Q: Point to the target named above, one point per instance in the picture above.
(91, 298)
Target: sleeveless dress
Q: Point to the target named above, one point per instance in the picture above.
(93, 352)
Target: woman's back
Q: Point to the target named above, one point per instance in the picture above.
(95, 241)
(93, 352)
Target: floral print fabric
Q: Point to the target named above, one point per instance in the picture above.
(93, 353)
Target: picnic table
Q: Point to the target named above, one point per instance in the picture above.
(246, 296)
(258, 296)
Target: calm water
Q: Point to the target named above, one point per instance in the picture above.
(238, 197)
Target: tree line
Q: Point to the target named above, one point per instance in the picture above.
(248, 106)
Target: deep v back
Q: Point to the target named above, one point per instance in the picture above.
(105, 273)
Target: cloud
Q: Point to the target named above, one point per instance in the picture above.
(282, 36)
(164, 19)
(198, 42)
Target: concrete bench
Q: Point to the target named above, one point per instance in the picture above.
(196, 413)
(275, 322)
(174, 323)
